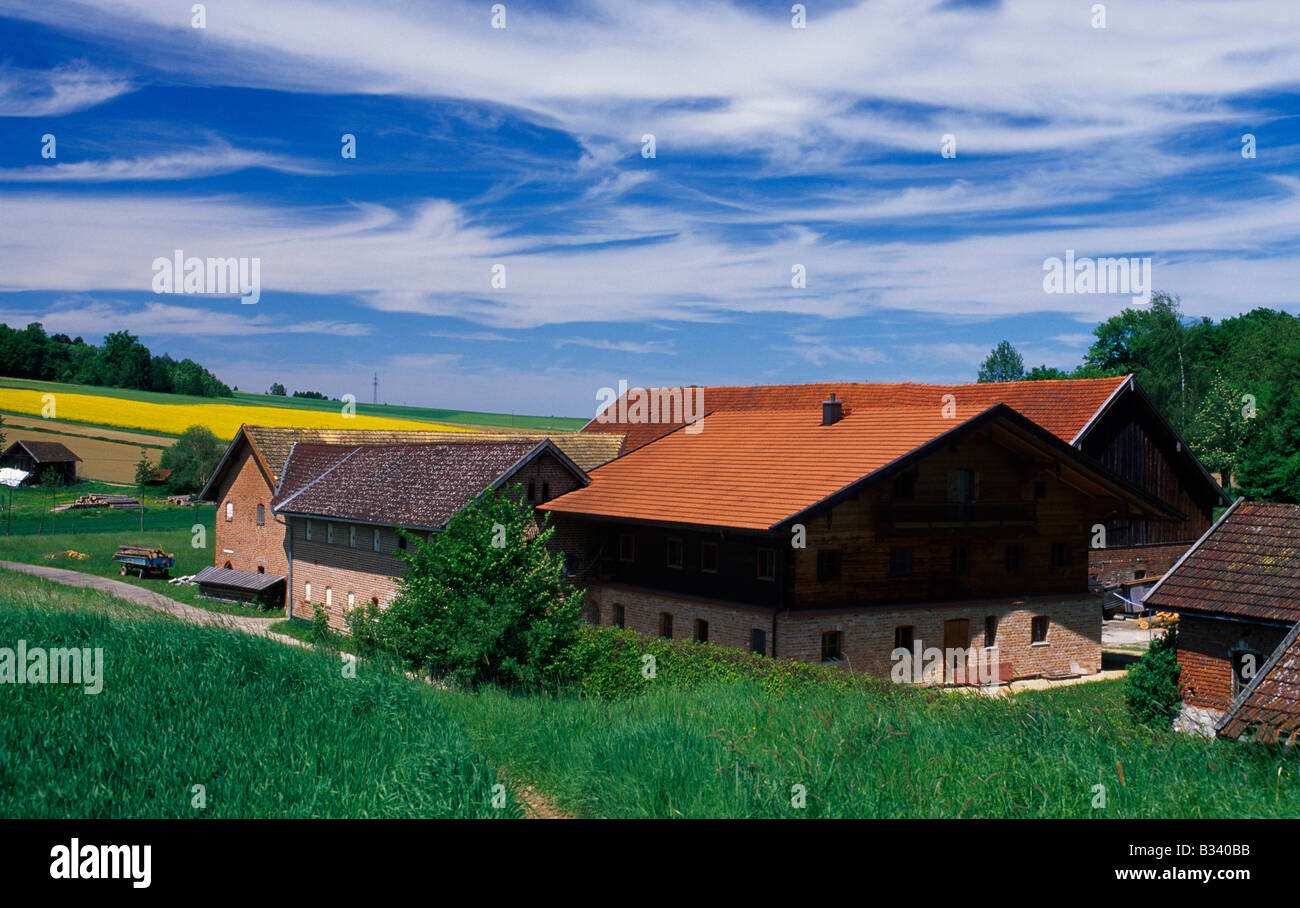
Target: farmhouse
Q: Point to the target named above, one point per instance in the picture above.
(1237, 594)
(37, 457)
(1111, 420)
(824, 533)
(343, 504)
(250, 538)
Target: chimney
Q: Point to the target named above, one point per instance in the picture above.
(832, 411)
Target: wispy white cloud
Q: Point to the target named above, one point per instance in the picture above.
(181, 165)
(661, 347)
(92, 318)
(54, 92)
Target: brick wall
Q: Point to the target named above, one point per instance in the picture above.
(867, 634)
(337, 569)
(240, 540)
(1110, 567)
(1205, 648)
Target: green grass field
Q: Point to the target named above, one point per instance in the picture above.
(268, 730)
(732, 750)
(423, 414)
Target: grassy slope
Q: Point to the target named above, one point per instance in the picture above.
(732, 750)
(423, 414)
(269, 730)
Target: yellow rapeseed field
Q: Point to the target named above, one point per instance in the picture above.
(223, 419)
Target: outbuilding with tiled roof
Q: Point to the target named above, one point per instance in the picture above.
(37, 458)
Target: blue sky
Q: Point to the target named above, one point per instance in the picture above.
(522, 147)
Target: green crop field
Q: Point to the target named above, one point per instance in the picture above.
(267, 729)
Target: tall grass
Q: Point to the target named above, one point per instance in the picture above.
(733, 749)
(269, 730)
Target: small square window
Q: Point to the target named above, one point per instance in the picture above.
(665, 625)
(1039, 629)
(960, 560)
(991, 630)
(619, 615)
(758, 641)
(1014, 556)
(900, 562)
(904, 637)
(701, 630)
(767, 564)
(626, 547)
(675, 554)
(709, 557)
(828, 564)
(831, 647)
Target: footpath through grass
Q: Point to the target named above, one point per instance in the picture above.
(65, 550)
(268, 730)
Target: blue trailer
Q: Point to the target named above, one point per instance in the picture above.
(144, 561)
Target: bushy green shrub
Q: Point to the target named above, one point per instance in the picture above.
(483, 599)
(320, 634)
(612, 663)
(1151, 687)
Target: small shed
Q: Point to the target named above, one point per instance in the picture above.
(244, 586)
(36, 457)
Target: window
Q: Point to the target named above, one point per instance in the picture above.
(352, 536)
(709, 557)
(960, 560)
(831, 651)
(1139, 575)
(991, 630)
(532, 489)
(1015, 555)
(329, 596)
(593, 613)
(261, 515)
(626, 547)
(230, 510)
(329, 533)
(828, 564)
(352, 601)
(665, 625)
(904, 637)
(1058, 554)
(758, 641)
(227, 565)
(308, 528)
(905, 487)
(675, 553)
(374, 542)
(963, 485)
(701, 630)
(767, 564)
(620, 617)
(900, 562)
(546, 491)
(306, 591)
(1039, 629)
(1245, 664)
(261, 569)
(401, 543)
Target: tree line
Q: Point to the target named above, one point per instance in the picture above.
(1229, 388)
(121, 362)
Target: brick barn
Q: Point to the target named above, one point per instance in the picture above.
(1110, 420)
(1237, 594)
(343, 504)
(250, 538)
(823, 533)
(36, 457)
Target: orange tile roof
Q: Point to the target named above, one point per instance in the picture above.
(755, 469)
(1063, 407)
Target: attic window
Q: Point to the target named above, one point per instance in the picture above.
(675, 554)
(546, 491)
(261, 515)
(352, 536)
(626, 547)
(828, 564)
(709, 557)
(230, 510)
(767, 564)
(964, 485)
(375, 541)
(532, 490)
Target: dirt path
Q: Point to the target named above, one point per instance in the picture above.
(259, 626)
